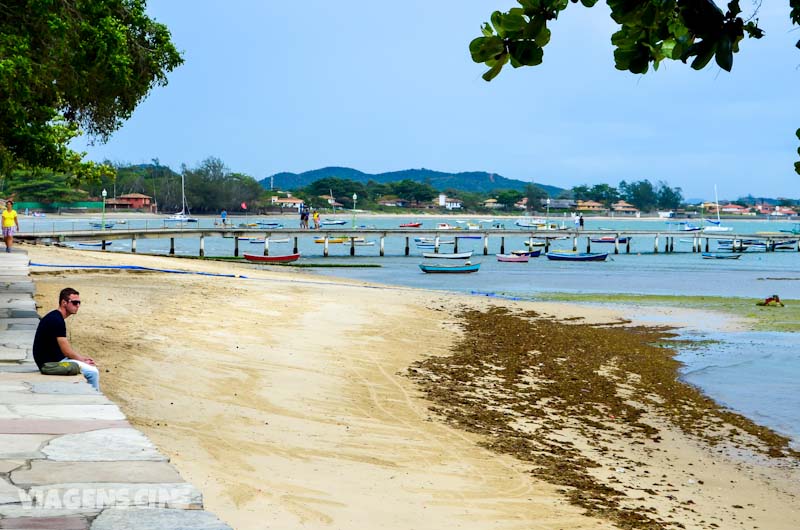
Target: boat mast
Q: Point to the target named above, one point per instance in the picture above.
(716, 200)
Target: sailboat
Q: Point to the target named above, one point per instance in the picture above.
(183, 215)
(331, 222)
(716, 226)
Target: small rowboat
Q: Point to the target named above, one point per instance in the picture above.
(709, 255)
(530, 253)
(443, 255)
(271, 259)
(447, 268)
(341, 239)
(512, 258)
(608, 239)
(271, 240)
(535, 243)
(410, 225)
(331, 222)
(577, 256)
(264, 224)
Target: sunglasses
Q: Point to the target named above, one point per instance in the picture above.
(74, 302)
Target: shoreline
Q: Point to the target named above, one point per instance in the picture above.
(324, 418)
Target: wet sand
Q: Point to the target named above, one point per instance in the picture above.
(294, 400)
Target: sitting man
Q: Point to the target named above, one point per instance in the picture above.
(51, 344)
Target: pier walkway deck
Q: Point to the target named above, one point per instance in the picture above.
(69, 460)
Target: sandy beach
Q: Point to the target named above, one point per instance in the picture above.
(291, 400)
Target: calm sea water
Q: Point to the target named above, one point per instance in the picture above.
(757, 374)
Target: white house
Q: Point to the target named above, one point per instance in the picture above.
(449, 203)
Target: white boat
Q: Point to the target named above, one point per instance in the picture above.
(531, 223)
(184, 215)
(445, 255)
(666, 215)
(716, 226)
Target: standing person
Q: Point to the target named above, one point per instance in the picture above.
(316, 219)
(10, 224)
(580, 221)
(224, 216)
(50, 344)
(577, 222)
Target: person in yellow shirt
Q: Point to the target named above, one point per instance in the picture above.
(10, 224)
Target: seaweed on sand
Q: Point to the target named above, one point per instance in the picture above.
(523, 380)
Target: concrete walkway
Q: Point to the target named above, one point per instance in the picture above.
(69, 460)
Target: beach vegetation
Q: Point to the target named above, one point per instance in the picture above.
(649, 32)
(67, 67)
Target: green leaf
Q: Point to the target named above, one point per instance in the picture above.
(487, 30)
(526, 53)
(724, 54)
(495, 69)
(543, 37)
(798, 134)
(588, 3)
(485, 49)
(797, 167)
(705, 51)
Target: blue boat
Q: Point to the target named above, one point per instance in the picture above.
(577, 256)
(710, 255)
(530, 253)
(448, 268)
(264, 224)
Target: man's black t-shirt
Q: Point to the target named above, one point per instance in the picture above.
(45, 343)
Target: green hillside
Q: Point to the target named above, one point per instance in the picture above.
(472, 181)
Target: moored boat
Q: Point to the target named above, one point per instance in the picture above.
(530, 253)
(448, 268)
(513, 258)
(577, 256)
(410, 225)
(609, 239)
(272, 259)
(710, 255)
(446, 255)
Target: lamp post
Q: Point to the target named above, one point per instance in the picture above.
(547, 215)
(103, 217)
(355, 198)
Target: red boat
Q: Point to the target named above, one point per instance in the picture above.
(272, 259)
(410, 225)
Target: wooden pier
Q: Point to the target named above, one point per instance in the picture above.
(663, 241)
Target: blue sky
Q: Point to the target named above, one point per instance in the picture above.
(381, 86)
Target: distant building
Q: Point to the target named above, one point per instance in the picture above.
(286, 202)
(491, 204)
(735, 209)
(393, 202)
(622, 207)
(131, 201)
(449, 203)
(590, 206)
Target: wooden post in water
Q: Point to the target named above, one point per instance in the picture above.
(266, 245)
(588, 244)
(133, 244)
(235, 245)
(707, 243)
(575, 242)
(616, 244)
(352, 246)
(455, 244)
(202, 245)
(670, 244)
(502, 244)
(655, 245)
(103, 245)
(407, 238)
(436, 243)
(172, 246)
(325, 247)
(294, 250)
(628, 245)
(546, 244)
(485, 245)
(382, 241)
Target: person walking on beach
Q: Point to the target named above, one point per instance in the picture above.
(50, 344)
(10, 224)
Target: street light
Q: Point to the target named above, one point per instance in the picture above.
(547, 215)
(103, 217)
(355, 198)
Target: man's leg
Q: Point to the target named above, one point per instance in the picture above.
(91, 373)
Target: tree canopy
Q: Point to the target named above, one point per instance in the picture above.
(650, 31)
(67, 65)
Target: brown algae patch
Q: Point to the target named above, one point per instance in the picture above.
(527, 383)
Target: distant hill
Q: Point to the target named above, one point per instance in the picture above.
(473, 181)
